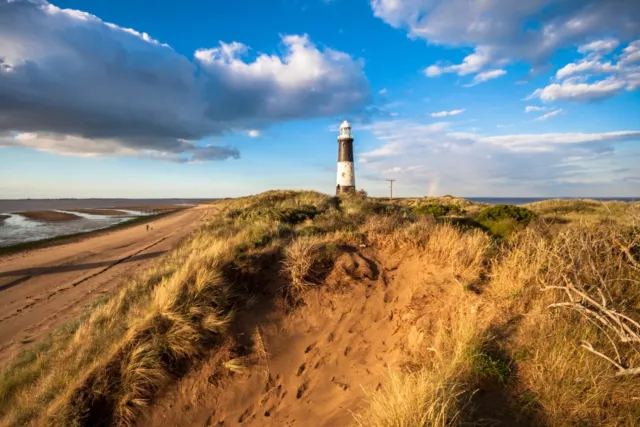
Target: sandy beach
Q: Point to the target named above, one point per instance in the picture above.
(41, 289)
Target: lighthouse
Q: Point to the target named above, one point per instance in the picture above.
(346, 173)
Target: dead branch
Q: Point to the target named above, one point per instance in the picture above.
(604, 317)
(587, 345)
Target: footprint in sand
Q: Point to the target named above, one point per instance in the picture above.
(301, 369)
(247, 414)
(302, 389)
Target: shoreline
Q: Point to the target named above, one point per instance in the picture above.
(70, 238)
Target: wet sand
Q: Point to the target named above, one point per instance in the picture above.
(49, 216)
(44, 288)
(152, 208)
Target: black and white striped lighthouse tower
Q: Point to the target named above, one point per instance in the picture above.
(346, 173)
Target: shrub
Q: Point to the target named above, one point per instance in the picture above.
(503, 220)
(436, 210)
(506, 212)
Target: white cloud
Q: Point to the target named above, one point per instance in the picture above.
(448, 113)
(576, 79)
(500, 31)
(472, 63)
(530, 108)
(550, 114)
(593, 66)
(253, 133)
(470, 164)
(551, 141)
(433, 71)
(486, 75)
(383, 91)
(66, 76)
(630, 54)
(585, 92)
(603, 46)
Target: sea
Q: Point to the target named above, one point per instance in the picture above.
(17, 229)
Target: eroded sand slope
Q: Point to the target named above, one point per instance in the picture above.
(319, 361)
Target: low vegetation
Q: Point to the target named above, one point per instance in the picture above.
(545, 320)
(503, 220)
(437, 209)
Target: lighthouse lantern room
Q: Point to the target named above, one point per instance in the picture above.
(346, 173)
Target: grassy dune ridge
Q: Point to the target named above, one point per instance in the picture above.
(547, 319)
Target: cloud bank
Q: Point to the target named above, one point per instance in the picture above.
(597, 76)
(504, 31)
(71, 83)
(436, 159)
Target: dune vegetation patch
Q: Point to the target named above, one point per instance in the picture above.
(437, 210)
(544, 320)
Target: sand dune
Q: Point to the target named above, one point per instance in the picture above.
(320, 361)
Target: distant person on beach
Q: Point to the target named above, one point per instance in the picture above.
(147, 227)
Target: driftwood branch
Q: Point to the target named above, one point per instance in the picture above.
(602, 314)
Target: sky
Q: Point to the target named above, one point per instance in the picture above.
(475, 98)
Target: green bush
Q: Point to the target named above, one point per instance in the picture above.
(436, 210)
(517, 214)
(503, 220)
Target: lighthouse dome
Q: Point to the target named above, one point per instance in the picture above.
(345, 130)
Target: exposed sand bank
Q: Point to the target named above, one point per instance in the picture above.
(152, 208)
(49, 216)
(110, 212)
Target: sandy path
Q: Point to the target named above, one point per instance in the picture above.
(41, 289)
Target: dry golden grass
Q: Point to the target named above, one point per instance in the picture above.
(301, 259)
(130, 347)
(462, 252)
(435, 389)
(420, 399)
(574, 295)
(551, 279)
(586, 210)
(552, 283)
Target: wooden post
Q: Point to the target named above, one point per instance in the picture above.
(391, 188)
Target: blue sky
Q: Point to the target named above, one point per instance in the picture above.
(207, 99)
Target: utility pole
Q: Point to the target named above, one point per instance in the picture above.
(391, 188)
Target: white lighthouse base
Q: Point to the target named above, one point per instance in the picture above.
(346, 177)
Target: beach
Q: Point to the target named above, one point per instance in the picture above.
(41, 289)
